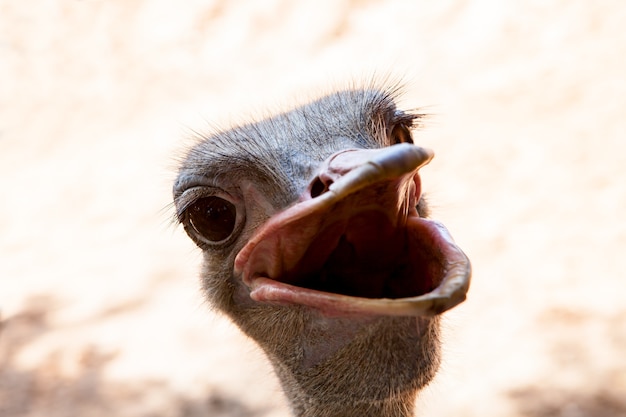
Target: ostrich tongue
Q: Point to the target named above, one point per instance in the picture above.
(360, 246)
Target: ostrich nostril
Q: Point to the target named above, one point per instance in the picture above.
(318, 187)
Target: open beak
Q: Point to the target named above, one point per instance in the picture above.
(354, 243)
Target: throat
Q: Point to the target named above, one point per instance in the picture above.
(399, 406)
(371, 366)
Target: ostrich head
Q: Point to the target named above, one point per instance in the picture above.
(317, 244)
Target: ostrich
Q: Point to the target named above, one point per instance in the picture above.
(316, 244)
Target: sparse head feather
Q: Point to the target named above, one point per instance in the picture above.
(286, 147)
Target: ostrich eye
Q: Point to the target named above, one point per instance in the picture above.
(400, 134)
(212, 218)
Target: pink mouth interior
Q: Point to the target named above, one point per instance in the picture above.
(366, 256)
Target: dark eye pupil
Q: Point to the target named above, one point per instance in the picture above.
(213, 218)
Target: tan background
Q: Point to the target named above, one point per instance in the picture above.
(101, 313)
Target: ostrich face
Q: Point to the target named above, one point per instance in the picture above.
(315, 242)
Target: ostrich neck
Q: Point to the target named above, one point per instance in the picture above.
(317, 405)
(305, 406)
(307, 402)
(351, 366)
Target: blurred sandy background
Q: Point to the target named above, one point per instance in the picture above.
(99, 302)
